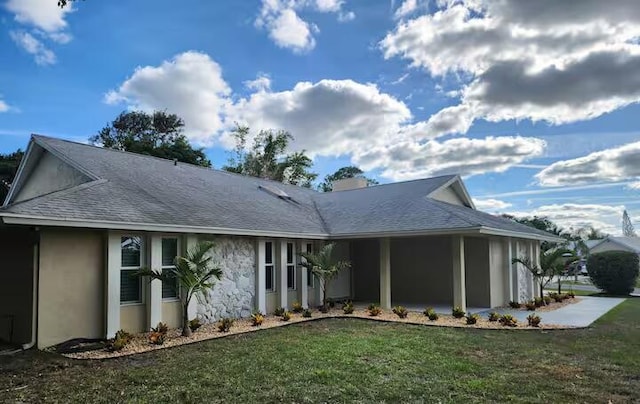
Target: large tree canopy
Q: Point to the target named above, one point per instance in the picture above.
(342, 173)
(158, 134)
(268, 159)
(8, 168)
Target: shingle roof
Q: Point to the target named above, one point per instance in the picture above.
(632, 243)
(142, 189)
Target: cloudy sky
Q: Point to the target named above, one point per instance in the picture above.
(534, 103)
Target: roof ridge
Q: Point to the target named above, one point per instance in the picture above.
(389, 184)
(221, 171)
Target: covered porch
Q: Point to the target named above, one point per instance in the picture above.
(473, 272)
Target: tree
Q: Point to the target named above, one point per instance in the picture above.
(627, 226)
(615, 272)
(194, 275)
(323, 266)
(158, 134)
(8, 168)
(64, 3)
(342, 173)
(268, 159)
(552, 263)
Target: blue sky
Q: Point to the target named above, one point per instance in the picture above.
(535, 104)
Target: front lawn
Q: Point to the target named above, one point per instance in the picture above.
(355, 360)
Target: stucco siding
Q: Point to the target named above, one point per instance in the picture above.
(49, 175)
(340, 286)
(16, 284)
(71, 286)
(498, 268)
(133, 317)
(477, 272)
(172, 313)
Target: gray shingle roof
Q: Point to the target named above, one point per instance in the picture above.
(141, 189)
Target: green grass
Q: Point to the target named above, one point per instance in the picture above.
(354, 360)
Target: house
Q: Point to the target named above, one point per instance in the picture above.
(629, 244)
(81, 219)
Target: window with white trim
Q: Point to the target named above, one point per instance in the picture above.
(309, 249)
(291, 266)
(131, 259)
(170, 288)
(269, 267)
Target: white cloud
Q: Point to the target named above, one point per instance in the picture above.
(46, 21)
(518, 60)
(634, 185)
(33, 46)
(287, 30)
(408, 7)
(491, 204)
(4, 107)
(616, 164)
(42, 14)
(189, 85)
(409, 159)
(328, 118)
(572, 216)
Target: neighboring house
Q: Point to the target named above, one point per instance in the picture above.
(630, 244)
(80, 220)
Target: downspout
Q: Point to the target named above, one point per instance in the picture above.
(34, 309)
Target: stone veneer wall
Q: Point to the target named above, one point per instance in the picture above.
(524, 276)
(233, 295)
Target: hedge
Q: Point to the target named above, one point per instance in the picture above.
(615, 272)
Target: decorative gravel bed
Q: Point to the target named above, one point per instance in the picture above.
(140, 342)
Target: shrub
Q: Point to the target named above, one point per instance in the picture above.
(296, 307)
(121, 340)
(547, 300)
(194, 324)
(514, 304)
(225, 324)
(508, 320)
(157, 338)
(457, 312)
(558, 297)
(472, 319)
(530, 305)
(533, 320)
(374, 310)
(286, 316)
(324, 308)
(401, 311)
(279, 311)
(493, 316)
(431, 314)
(348, 308)
(306, 313)
(571, 295)
(615, 272)
(539, 302)
(161, 328)
(257, 319)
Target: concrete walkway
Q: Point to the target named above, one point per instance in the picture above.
(580, 314)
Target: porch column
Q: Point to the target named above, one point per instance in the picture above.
(385, 273)
(509, 254)
(154, 308)
(261, 279)
(459, 287)
(516, 272)
(191, 240)
(282, 289)
(114, 260)
(302, 277)
(536, 260)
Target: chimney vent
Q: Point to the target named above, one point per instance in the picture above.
(349, 183)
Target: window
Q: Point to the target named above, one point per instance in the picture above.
(169, 253)
(130, 262)
(268, 266)
(309, 249)
(291, 267)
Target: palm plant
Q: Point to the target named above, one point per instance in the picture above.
(551, 264)
(324, 267)
(193, 274)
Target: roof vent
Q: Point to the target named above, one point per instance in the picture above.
(275, 192)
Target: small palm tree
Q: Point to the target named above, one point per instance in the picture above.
(193, 274)
(551, 264)
(324, 267)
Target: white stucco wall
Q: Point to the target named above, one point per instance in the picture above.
(340, 287)
(50, 174)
